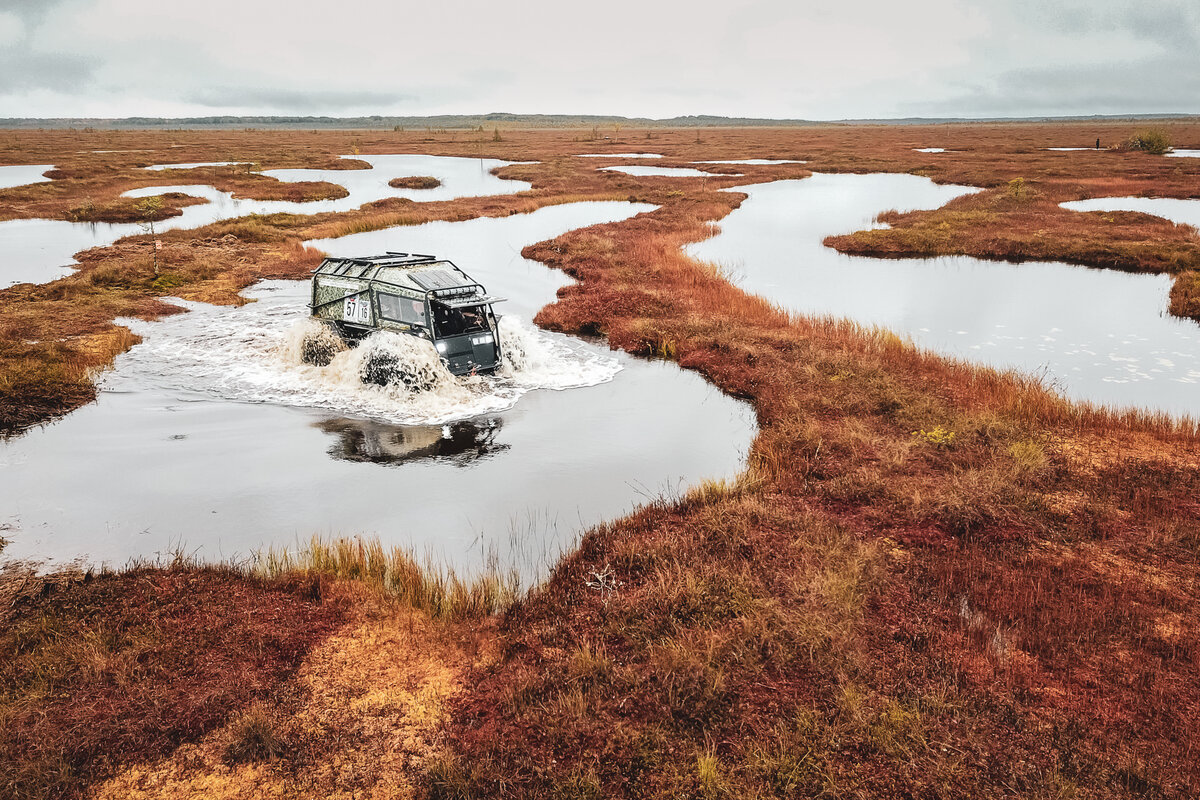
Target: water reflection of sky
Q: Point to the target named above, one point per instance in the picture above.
(1097, 335)
(40, 250)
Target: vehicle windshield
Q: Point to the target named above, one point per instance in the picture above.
(457, 321)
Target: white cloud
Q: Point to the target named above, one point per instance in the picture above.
(12, 29)
(636, 57)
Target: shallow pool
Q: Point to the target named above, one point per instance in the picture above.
(193, 165)
(665, 172)
(757, 161)
(1096, 335)
(23, 174)
(619, 155)
(1184, 212)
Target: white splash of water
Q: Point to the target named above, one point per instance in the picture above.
(255, 354)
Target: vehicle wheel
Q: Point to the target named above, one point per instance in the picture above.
(387, 369)
(319, 345)
(514, 354)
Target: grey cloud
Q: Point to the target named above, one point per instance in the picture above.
(1171, 23)
(300, 100)
(32, 11)
(1162, 85)
(1174, 27)
(1110, 56)
(22, 70)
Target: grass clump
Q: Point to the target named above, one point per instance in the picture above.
(415, 182)
(254, 737)
(939, 436)
(1152, 140)
(434, 589)
(711, 777)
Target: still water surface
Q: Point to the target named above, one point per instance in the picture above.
(40, 250)
(23, 175)
(666, 172)
(1095, 335)
(1184, 212)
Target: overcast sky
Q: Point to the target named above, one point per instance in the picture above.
(763, 58)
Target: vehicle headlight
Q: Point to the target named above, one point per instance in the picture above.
(487, 338)
(441, 347)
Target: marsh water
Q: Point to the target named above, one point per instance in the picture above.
(40, 250)
(1183, 212)
(665, 172)
(757, 161)
(213, 438)
(23, 174)
(1094, 335)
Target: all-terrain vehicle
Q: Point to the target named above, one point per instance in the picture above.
(409, 293)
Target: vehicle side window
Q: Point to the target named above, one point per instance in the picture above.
(402, 309)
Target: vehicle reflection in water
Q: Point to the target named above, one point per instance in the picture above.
(371, 442)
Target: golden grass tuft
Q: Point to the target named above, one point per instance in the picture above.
(429, 587)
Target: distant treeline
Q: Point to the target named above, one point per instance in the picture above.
(469, 121)
(445, 121)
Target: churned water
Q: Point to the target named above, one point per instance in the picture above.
(252, 354)
(665, 172)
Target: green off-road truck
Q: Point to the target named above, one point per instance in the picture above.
(408, 293)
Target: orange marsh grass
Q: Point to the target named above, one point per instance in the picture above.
(429, 586)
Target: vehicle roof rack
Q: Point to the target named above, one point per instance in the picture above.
(410, 257)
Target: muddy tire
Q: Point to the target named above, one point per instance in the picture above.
(387, 369)
(514, 355)
(319, 346)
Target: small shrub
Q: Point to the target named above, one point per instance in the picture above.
(1028, 455)
(708, 774)
(84, 212)
(254, 738)
(415, 182)
(1017, 189)
(939, 436)
(151, 208)
(1154, 141)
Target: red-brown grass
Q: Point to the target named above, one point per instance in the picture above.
(115, 668)
(933, 579)
(816, 628)
(415, 182)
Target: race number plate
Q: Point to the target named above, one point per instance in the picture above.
(357, 308)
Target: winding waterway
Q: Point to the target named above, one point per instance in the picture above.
(40, 250)
(1094, 335)
(212, 438)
